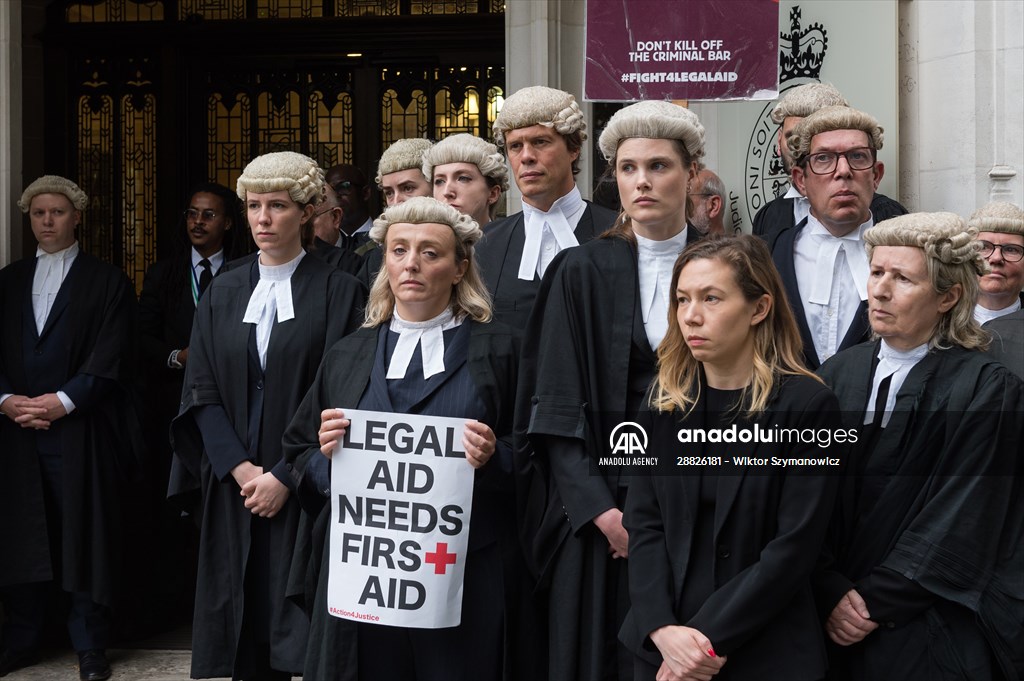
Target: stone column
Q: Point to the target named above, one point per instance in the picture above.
(544, 45)
(961, 94)
(10, 131)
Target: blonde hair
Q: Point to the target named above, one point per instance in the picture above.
(952, 256)
(469, 297)
(777, 344)
(826, 120)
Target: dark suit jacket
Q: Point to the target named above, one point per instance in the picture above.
(166, 310)
(769, 525)
(500, 251)
(777, 215)
(782, 255)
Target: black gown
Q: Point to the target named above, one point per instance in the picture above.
(728, 549)
(585, 367)
(928, 528)
(352, 373)
(86, 349)
(223, 370)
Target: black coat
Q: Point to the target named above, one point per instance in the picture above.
(341, 380)
(585, 366)
(777, 215)
(166, 311)
(769, 524)
(328, 304)
(500, 251)
(86, 350)
(937, 500)
(1008, 341)
(782, 256)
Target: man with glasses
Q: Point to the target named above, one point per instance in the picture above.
(1000, 228)
(789, 209)
(707, 194)
(822, 259)
(323, 231)
(353, 194)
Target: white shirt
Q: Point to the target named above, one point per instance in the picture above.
(801, 206)
(271, 297)
(365, 227)
(549, 233)
(216, 260)
(655, 260)
(832, 276)
(895, 363)
(51, 270)
(983, 314)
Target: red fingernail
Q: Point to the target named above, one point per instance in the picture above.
(711, 652)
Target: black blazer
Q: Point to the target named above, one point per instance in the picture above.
(502, 247)
(782, 255)
(777, 215)
(769, 526)
(166, 311)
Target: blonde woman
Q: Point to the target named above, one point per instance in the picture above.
(923, 580)
(428, 288)
(722, 546)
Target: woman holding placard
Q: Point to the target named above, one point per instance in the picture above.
(428, 347)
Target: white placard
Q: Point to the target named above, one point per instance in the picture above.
(401, 498)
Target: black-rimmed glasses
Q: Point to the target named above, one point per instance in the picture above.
(825, 162)
(1010, 252)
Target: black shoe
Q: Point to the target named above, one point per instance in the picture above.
(16, 659)
(93, 666)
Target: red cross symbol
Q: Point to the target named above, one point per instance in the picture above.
(440, 558)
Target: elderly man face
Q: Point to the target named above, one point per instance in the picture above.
(327, 218)
(1003, 284)
(840, 194)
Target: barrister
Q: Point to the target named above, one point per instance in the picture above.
(65, 359)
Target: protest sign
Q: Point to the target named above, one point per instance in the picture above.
(401, 497)
(668, 49)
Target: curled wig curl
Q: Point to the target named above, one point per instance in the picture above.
(469, 297)
(777, 344)
(952, 257)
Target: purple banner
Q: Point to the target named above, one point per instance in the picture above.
(681, 49)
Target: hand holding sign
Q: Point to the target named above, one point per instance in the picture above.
(332, 428)
(401, 505)
(479, 442)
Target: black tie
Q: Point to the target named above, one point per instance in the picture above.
(206, 276)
